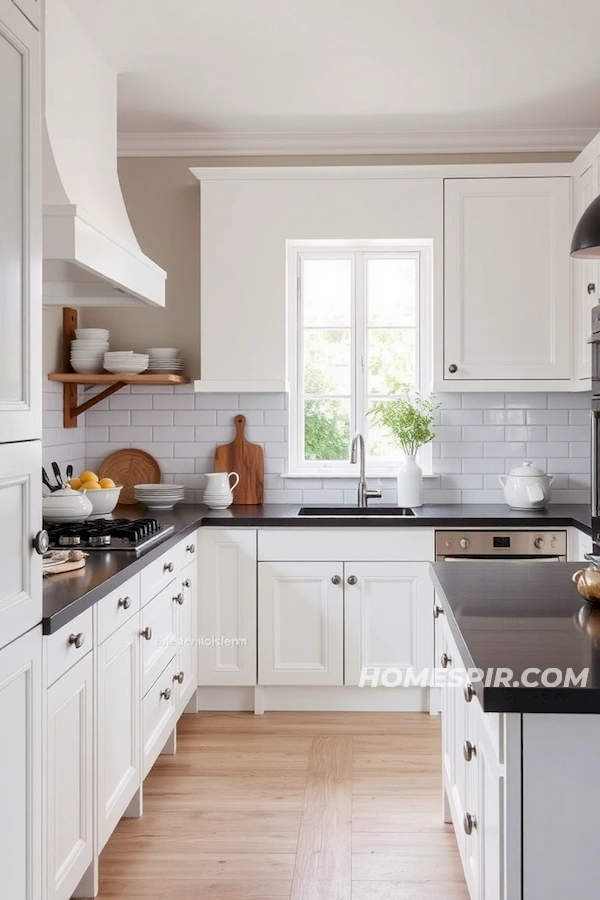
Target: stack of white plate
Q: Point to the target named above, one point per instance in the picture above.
(166, 360)
(159, 496)
(125, 362)
(87, 351)
(218, 500)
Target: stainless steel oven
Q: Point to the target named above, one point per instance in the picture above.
(501, 546)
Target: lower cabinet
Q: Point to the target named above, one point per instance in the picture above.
(159, 715)
(21, 768)
(187, 649)
(69, 768)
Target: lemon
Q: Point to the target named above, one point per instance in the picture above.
(88, 476)
(90, 486)
(75, 483)
(106, 483)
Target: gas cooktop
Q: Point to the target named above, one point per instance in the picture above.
(109, 534)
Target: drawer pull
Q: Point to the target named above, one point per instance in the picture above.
(179, 677)
(437, 612)
(125, 602)
(469, 823)
(168, 567)
(77, 640)
(178, 598)
(468, 692)
(187, 583)
(147, 633)
(166, 693)
(468, 751)
(191, 548)
(445, 660)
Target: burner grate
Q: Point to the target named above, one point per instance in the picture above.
(113, 534)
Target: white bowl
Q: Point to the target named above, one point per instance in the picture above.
(163, 352)
(101, 334)
(116, 369)
(66, 505)
(89, 344)
(86, 368)
(103, 501)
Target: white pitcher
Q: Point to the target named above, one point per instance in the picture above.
(220, 482)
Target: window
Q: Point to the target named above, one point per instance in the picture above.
(358, 329)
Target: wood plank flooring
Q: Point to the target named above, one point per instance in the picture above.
(291, 806)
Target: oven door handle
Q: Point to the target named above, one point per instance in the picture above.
(595, 415)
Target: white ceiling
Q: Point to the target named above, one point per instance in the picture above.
(368, 72)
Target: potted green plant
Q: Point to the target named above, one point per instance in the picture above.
(409, 421)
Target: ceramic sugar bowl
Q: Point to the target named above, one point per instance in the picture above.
(526, 487)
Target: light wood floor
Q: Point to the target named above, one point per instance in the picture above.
(291, 806)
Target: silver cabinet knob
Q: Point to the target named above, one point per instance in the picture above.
(468, 692)
(591, 288)
(179, 677)
(178, 598)
(187, 583)
(538, 543)
(166, 693)
(77, 640)
(336, 579)
(147, 633)
(469, 823)
(468, 751)
(445, 660)
(352, 579)
(452, 368)
(124, 602)
(464, 543)
(168, 567)
(191, 548)
(41, 542)
(437, 612)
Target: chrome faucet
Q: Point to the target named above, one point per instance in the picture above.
(364, 494)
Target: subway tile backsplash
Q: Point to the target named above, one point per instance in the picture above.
(479, 436)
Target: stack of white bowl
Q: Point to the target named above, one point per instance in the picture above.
(165, 360)
(88, 349)
(125, 362)
(159, 496)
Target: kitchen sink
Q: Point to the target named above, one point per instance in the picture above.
(321, 512)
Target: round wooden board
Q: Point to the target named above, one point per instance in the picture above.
(130, 467)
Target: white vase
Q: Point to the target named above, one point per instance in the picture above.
(410, 483)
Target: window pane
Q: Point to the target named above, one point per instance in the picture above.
(392, 359)
(327, 291)
(327, 358)
(326, 429)
(381, 445)
(391, 291)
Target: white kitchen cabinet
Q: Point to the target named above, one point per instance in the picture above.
(118, 726)
(585, 281)
(186, 631)
(20, 226)
(387, 617)
(301, 623)
(158, 632)
(69, 779)
(159, 715)
(227, 607)
(20, 520)
(507, 284)
(21, 767)
(31, 9)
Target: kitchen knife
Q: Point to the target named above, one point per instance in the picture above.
(46, 480)
(69, 472)
(57, 475)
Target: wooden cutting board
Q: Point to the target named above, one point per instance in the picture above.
(247, 460)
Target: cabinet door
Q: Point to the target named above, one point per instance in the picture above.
(489, 865)
(159, 633)
(118, 726)
(388, 621)
(187, 652)
(300, 623)
(30, 8)
(69, 792)
(507, 308)
(227, 607)
(20, 768)
(20, 228)
(20, 520)
(585, 280)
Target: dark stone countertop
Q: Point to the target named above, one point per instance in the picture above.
(69, 594)
(519, 616)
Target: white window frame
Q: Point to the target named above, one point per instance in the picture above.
(422, 248)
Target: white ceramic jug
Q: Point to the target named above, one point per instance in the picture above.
(220, 482)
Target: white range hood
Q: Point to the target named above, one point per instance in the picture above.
(91, 255)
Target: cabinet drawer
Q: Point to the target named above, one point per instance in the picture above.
(364, 545)
(159, 715)
(68, 645)
(159, 633)
(118, 607)
(161, 571)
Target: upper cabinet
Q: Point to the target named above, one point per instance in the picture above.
(507, 284)
(30, 8)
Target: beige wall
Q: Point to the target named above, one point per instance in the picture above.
(162, 199)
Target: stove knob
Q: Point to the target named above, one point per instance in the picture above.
(41, 542)
(464, 543)
(538, 543)
(448, 544)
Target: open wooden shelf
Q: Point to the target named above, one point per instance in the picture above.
(70, 380)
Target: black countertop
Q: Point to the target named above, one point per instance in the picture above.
(519, 616)
(69, 594)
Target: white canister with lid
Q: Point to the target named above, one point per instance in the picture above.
(526, 487)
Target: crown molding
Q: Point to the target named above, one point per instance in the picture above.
(298, 144)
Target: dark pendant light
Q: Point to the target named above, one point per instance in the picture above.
(586, 237)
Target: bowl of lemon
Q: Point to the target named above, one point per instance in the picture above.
(102, 493)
